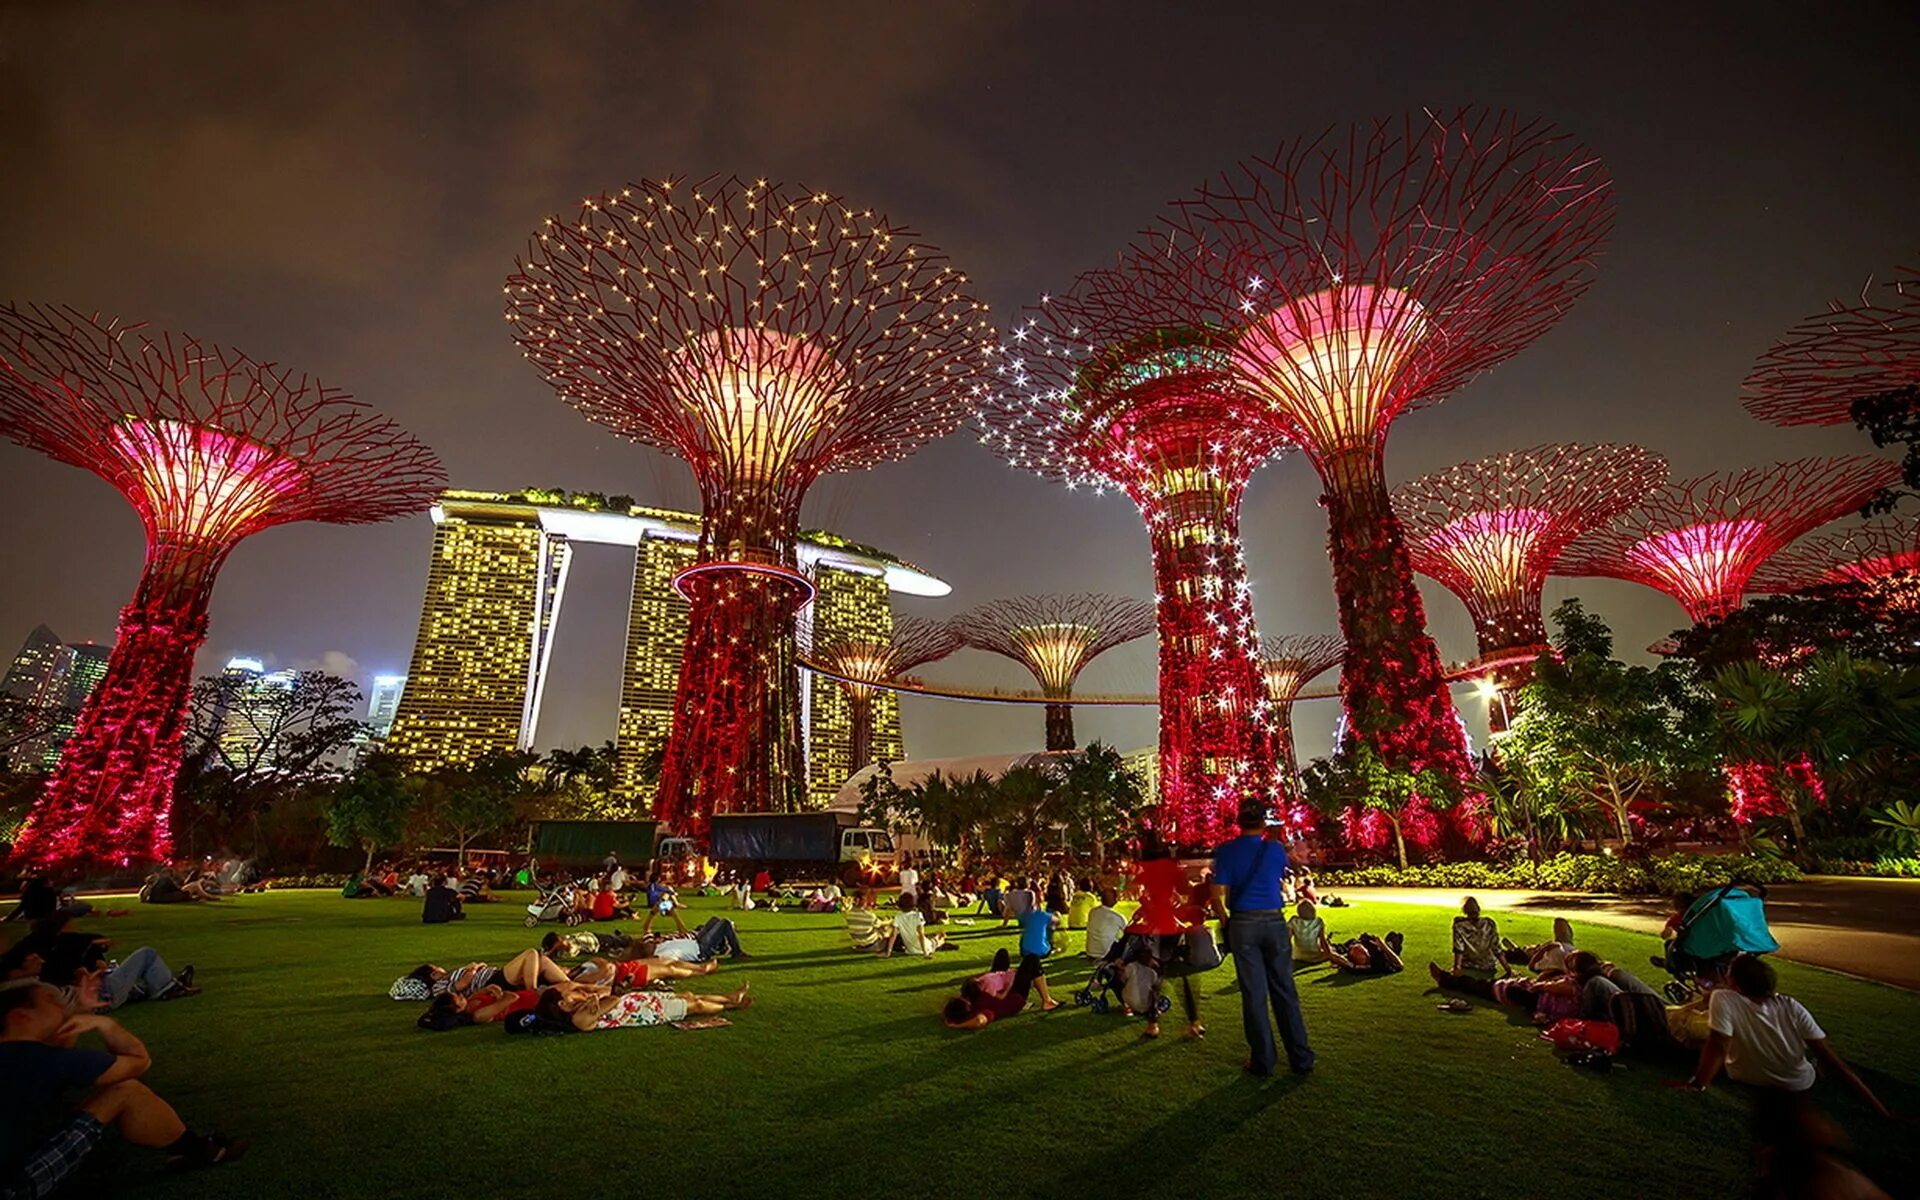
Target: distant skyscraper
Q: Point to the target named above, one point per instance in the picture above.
(38, 673)
(383, 702)
(247, 725)
(493, 595)
(86, 668)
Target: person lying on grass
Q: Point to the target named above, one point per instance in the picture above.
(715, 937)
(43, 1139)
(1548, 998)
(587, 1013)
(527, 969)
(491, 1004)
(999, 993)
(1366, 954)
(1545, 956)
(637, 972)
(77, 963)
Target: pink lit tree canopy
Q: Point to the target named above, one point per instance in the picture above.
(1826, 364)
(208, 446)
(1491, 530)
(1362, 274)
(1105, 387)
(766, 336)
(1700, 540)
(1869, 552)
(1055, 637)
(862, 664)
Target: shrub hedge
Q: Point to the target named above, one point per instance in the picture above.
(1578, 873)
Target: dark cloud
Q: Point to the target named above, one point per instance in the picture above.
(344, 188)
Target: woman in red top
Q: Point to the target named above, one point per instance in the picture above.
(1160, 884)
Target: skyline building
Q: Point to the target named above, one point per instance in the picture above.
(56, 677)
(249, 719)
(382, 702)
(37, 676)
(495, 584)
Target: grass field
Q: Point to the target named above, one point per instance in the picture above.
(842, 1082)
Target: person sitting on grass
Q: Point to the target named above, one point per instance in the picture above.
(362, 887)
(1366, 954)
(1018, 901)
(1308, 933)
(716, 936)
(606, 903)
(662, 901)
(1476, 940)
(162, 888)
(910, 934)
(476, 888)
(1104, 925)
(865, 927)
(993, 898)
(999, 993)
(1542, 957)
(43, 1140)
(442, 904)
(632, 1010)
(1762, 1038)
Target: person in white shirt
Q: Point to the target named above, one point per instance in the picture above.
(1104, 925)
(417, 883)
(618, 879)
(1762, 1038)
(910, 934)
(909, 881)
(1308, 933)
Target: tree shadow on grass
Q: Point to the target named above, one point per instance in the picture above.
(1210, 1120)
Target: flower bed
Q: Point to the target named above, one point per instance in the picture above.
(1578, 873)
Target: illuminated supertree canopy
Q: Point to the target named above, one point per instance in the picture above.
(1884, 551)
(1363, 274)
(1288, 662)
(1055, 637)
(1491, 530)
(766, 336)
(1700, 540)
(208, 446)
(864, 663)
(1853, 353)
(1102, 387)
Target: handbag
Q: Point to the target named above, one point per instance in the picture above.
(1203, 953)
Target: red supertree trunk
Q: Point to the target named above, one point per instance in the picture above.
(859, 728)
(110, 801)
(1217, 743)
(1391, 684)
(1060, 735)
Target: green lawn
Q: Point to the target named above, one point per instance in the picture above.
(841, 1081)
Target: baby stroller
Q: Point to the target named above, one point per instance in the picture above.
(1729, 920)
(555, 904)
(1125, 980)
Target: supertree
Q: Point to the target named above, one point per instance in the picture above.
(1055, 637)
(862, 664)
(1491, 530)
(1104, 387)
(1288, 662)
(208, 446)
(1882, 553)
(767, 337)
(1700, 540)
(1822, 367)
(1364, 274)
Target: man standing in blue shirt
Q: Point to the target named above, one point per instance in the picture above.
(1246, 886)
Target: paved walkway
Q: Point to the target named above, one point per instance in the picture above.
(1864, 927)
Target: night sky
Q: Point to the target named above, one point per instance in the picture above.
(346, 194)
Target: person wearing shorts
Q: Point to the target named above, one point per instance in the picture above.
(632, 1010)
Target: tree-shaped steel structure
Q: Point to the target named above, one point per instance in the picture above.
(1883, 553)
(1700, 540)
(862, 664)
(1363, 274)
(208, 446)
(1103, 387)
(1288, 662)
(1055, 637)
(1865, 351)
(766, 336)
(1490, 531)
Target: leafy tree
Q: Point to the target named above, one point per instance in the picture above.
(952, 812)
(1590, 724)
(1099, 797)
(1357, 778)
(1027, 805)
(370, 807)
(479, 798)
(1893, 418)
(1864, 618)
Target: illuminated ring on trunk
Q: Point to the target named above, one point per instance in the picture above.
(806, 586)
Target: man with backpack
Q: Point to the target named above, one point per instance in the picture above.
(1246, 891)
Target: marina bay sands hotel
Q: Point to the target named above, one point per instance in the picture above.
(495, 585)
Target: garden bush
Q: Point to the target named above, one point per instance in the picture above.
(306, 881)
(1886, 866)
(1578, 873)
